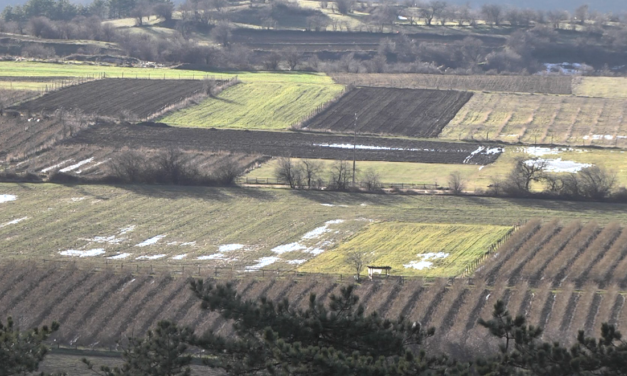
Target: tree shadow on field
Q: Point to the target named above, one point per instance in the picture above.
(227, 101)
(222, 194)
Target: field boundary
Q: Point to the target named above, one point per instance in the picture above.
(323, 183)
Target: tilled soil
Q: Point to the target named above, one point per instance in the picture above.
(405, 112)
(115, 97)
(284, 144)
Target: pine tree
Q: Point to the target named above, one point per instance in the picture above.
(22, 351)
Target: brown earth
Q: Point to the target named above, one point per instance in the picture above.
(404, 112)
(283, 144)
(518, 84)
(133, 98)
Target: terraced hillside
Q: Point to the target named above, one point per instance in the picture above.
(415, 113)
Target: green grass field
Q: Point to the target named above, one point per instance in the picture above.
(389, 172)
(33, 69)
(256, 106)
(414, 249)
(275, 228)
(476, 177)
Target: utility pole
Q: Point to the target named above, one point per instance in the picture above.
(354, 149)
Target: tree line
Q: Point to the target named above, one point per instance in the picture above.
(333, 337)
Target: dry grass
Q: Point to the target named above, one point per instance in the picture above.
(523, 84)
(543, 119)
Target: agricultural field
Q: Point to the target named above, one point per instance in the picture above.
(92, 162)
(285, 144)
(36, 69)
(414, 249)
(131, 98)
(256, 106)
(605, 87)
(389, 172)
(541, 119)
(236, 227)
(405, 112)
(9, 97)
(517, 84)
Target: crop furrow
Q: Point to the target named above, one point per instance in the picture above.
(473, 317)
(592, 313)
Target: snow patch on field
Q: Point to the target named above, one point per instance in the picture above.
(599, 137)
(119, 256)
(127, 229)
(263, 262)
(88, 253)
(296, 262)
(152, 257)
(483, 150)
(425, 263)
(113, 239)
(558, 165)
(230, 247)
(215, 256)
(292, 247)
(7, 198)
(77, 165)
(14, 222)
(57, 165)
(77, 199)
(150, 241)
(179, 257)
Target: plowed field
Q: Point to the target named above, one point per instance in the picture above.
(406, 112)
(115, 97)
(284, 144)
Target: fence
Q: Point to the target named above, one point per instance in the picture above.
(322, 183)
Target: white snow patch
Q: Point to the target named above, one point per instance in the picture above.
(107, 239)
(77, 165)
(188, 244)
(7, 198)
(57, 165)
(296, 262)
(316, 233)
(481, 168)
(77, 199)
(263, 262)
(230, 247)
(88, 253)
(150, 241)
(288, 248)
(315, 251)
(558, 165)
(119, 256)
(487, 297)
(179, 257)
(14, 222)
(425, 263)
(538, 151)
(127, 229)
(328, 205)
(92, 166)
(215, 256)
(152, 257)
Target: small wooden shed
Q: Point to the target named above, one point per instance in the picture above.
(382, 271)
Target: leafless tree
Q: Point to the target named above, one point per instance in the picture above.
(581, 14)
(292, 57)
(345, 6)
(164, 10)
(221, 33)
(288, 172)
(341, 176)
(492, 13)
(525, 172)
(310, 170)
(596, 182)
(456, 183)
(271, 61)
(431, 10)
(141, 10)
(371, 180)
(358, 259)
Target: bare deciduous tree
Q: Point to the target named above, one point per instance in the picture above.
(311, 170)
(456, 183)
(292, 57)
(221, 33)
(371, 180)
(288, 172)
(357, 260)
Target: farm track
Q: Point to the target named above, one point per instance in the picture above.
(403, 112)
(116, 97)
(282, 144)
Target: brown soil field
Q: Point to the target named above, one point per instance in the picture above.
(518, 84)
(93, 161)
(133, 98)
(284, 144)
(21, 137)
(405, 112)
(13, 97)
